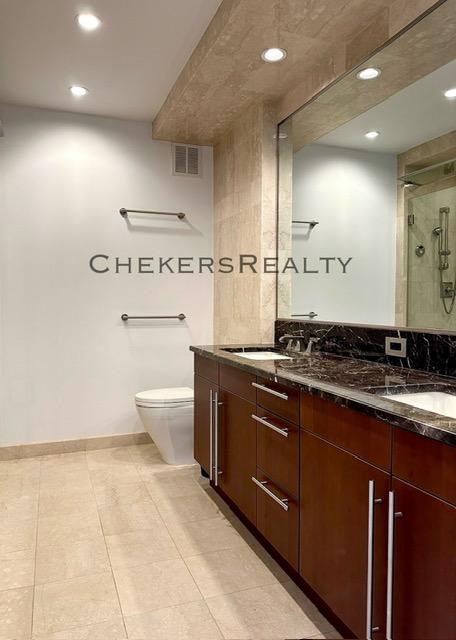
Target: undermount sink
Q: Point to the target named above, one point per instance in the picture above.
(261, 355)
(438, 402)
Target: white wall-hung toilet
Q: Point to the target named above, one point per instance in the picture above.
(167, 415)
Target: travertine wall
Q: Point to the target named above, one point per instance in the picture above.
(225, 74)
(245, 175)
(245, 220)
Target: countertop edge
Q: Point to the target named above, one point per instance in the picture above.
(343, 396)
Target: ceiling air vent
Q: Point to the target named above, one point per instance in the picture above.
(186, 160)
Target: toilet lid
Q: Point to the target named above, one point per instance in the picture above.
(165, 396)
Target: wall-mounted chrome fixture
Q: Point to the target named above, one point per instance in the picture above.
(312, 314)
(125, 317)
(447, 287)
(311, 223)
(124, 212)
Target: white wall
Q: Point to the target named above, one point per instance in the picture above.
(352, 194)
(69, 367)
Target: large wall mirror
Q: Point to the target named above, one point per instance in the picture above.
(367, 189)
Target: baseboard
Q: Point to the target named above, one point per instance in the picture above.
(13, 452)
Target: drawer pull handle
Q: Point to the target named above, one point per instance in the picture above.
(211, 435)
(271, 391)
(370, 629)
(217, 404)
(283, 432)
(392, 514)
(283, 502)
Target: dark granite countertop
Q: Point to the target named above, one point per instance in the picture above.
(353, 383)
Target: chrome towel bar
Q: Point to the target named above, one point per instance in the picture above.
(126, 317)
(124, 212)
(311, 223)
(312, 314)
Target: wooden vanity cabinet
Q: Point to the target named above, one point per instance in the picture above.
(424, 585)
(253, 446)
(237, 452)
(277, 478)
(342, 451)
(321, 483)
(334, 532)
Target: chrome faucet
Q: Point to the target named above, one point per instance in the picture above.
(290, 339)
(313, 340)
(296, 341)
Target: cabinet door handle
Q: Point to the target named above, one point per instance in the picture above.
(390, 576)
(370, 559)
(217, 404)
(283, 502)
(211, 433)
(271, 391)
(283, 432)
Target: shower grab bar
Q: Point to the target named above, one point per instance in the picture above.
(312, 223)
(124, 212)
(125, 317)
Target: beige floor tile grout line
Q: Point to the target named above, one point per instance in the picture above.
(183, 559)
(106, 547)
(36, 549)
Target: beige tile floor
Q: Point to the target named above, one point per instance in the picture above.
(114, 544)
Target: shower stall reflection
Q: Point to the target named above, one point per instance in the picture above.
(431, 205)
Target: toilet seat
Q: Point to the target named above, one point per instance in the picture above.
(164, 397)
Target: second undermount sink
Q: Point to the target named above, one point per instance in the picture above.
(438, 402)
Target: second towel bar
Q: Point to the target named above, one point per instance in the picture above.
(126, 317)
(123, 212)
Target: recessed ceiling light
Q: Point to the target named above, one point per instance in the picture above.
(371, 135)
(88, 21)
(368, 74)
(274, 54)
(78, 91)
(450, 94)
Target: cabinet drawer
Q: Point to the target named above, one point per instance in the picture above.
(366, 437)
(206, 368)
(278, 398)
(425, 463)
(278, 523)
(278, 450)
(238, 382)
